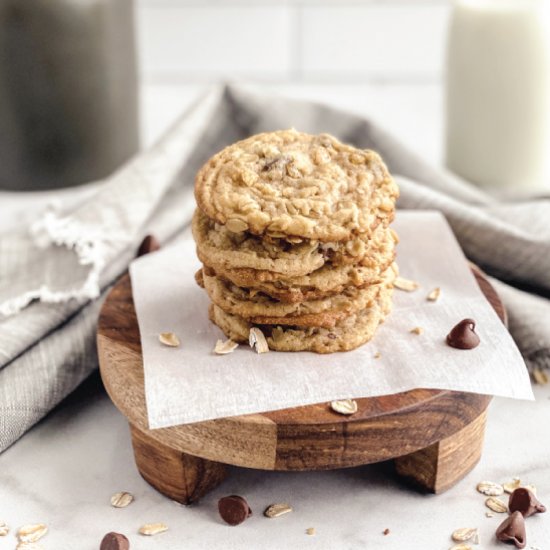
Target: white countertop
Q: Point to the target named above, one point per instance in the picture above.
(63, 472)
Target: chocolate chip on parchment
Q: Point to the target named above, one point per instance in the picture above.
(114, 541)
(149, 244)
(463, 335)
(523, 500)
(512, 529)
(234, 509)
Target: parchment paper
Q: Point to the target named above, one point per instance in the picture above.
(190, 383)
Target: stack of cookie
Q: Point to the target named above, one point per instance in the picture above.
(293, 233)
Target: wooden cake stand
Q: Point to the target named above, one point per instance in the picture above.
(434, 437)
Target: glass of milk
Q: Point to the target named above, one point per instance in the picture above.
(498, 95)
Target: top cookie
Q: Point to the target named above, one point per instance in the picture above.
(291, 184)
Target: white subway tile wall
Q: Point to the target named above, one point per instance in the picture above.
(310, 41)
(359, 42)
(214, 41)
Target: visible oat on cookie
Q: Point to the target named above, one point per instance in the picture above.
(262, 309)
(325, 281)
(348, 333)
(275, 258)
(296, 184)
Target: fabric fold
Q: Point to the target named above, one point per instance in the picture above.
(67, 253)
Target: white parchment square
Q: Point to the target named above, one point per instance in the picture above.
(190, 383)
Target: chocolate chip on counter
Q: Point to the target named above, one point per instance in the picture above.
(512, 529)
(463, 335)
(114, 541)
(234, 509)
(148, 244)
(522, 500)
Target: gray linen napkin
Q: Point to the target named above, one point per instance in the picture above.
(47, 347)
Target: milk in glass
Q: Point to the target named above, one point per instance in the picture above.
(498, 94)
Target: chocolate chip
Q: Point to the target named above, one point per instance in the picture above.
(114, 541)
(463, 335)
(149, 244)
(512, 530)
(234, 509)
(276, 162)
(522, 500)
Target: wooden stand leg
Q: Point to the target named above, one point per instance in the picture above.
(440, 466)
(181, 477)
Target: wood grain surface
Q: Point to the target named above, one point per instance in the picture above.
(300, 438)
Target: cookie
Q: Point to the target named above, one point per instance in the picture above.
(350, 333)
(259, 308)
(277, 258)
(322, 282)
(292, 184)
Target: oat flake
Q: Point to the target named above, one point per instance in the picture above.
(276, 510)
(496, 505)
(344, 406)
(223, 348)
(464, 534)
(511, 486)
(122, 499)
(490, 489)
(405, 284)
(169, 339)
(150, 529)
(32, 532)
(434, 295)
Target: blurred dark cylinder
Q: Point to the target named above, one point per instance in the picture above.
(68, 91)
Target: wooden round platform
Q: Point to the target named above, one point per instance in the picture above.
(434, 436)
